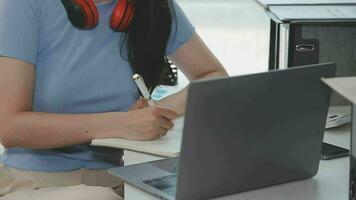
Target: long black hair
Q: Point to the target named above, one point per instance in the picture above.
(147, 39)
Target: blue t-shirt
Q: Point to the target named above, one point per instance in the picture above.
(77, 71)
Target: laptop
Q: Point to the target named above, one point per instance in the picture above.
(243, 133)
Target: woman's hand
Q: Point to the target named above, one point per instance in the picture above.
(148, 123)
(139, 104)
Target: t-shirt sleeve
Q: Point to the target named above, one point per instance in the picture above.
(182, 29)
(18, 29)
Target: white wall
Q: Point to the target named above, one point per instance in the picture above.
(237, 31)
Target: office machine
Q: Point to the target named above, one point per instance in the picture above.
(310, 32)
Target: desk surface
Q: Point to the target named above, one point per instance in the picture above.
(310, 11)
(305, 14)
(268, 3)
(330, 183)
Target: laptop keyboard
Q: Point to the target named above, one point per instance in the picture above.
(166, 184)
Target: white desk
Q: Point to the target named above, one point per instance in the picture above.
(331, 181)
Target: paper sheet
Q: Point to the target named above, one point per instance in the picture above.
(168, 146)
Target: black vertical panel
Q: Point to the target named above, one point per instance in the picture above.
(353, 156)
(274, 46)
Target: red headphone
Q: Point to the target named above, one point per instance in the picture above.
(83, 14)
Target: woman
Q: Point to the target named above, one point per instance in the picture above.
(65, 82)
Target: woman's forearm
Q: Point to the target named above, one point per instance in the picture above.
(178, 101)
(46, 131)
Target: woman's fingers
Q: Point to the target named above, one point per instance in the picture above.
(139, 104)
(166, 124)
(165, 112)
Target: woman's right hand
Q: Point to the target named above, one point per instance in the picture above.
(148, 123)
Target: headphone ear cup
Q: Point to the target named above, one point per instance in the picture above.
(83, 14)
(122, 16)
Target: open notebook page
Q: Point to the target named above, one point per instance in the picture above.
(168, 146)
